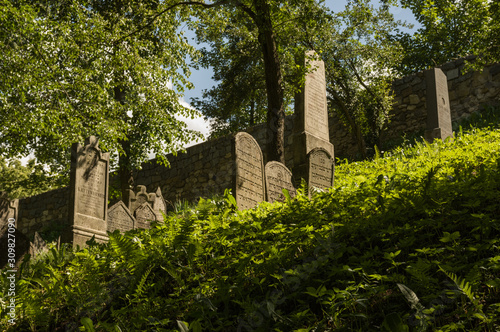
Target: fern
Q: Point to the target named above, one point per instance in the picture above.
(140, 289)
(411, 297)
(462, 284)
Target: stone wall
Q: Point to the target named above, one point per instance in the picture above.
(207, 169)
(204, 170)
(40, 212)
(468, 92)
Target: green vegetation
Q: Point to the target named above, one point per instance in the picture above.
(406, 242)
(19, 181)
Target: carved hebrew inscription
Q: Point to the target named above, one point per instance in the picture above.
(249, 177)
(91, 186)
(278, 177)
(315, 106)
(88, 192)
(144, 214)
(321, 169)
(119, 217)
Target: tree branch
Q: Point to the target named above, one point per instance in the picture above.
(182, 3)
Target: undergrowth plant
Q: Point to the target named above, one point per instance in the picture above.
(406, 242)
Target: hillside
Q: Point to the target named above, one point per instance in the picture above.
(406, 242)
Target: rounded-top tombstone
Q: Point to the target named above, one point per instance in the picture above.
(278, 177)
(321, 169)
(248, 183)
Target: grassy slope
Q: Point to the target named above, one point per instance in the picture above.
(409, 241)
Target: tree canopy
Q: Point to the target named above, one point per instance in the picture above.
(262, 42)
(71, 69)
(360, 58)
(451, 29)
(355, 44)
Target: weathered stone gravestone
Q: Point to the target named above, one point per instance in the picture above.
(89, 180)
(159, 205)
(120, 218)
(140, 199)
(248, 184)
(38, 246)
(144, 214)
(438, 106)
(278, 177)
(136, 199)
(311, 116)
(8, 210)
(321, 170)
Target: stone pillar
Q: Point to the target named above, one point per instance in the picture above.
(89, 181)
(438, 106)
(310, 128)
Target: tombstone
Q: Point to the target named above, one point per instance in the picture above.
(248, 183)
(8, 209)
(438, 106)
(278, 177)
(38, 246)
(310, 129)
(144, 214)
(120, 218)
(89, 180)
(136, 199)
(321, 170)
(159, 205)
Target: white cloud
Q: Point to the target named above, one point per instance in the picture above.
(198, 124)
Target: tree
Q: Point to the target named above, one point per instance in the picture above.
(451, 29)
(20, 181)
(359, 58)
(239, 101)
(355, 44)
(262, 38)
(75, 68)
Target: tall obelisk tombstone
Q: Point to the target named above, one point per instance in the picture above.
(310, 129)
(438, 106)
(89, 180)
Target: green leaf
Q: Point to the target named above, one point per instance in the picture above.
(394, 323)
(183, 326)
(87, 324)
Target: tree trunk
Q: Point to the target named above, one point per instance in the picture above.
(356, 129)
(126, 175)
(274, 87)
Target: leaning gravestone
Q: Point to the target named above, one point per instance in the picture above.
(89, 180)
(144, 214)
(120, 218)
(248, 184)
(278, 177)
(438, 106)
(321, 170)
(311, 116)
